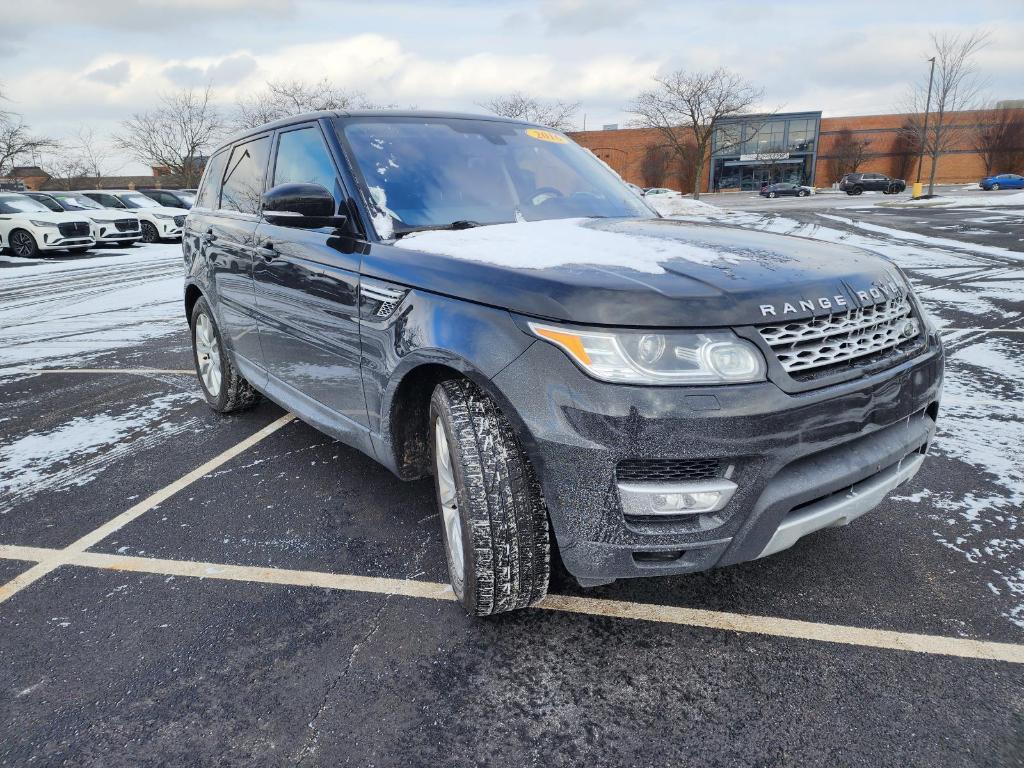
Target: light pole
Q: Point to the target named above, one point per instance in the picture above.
(924, 131)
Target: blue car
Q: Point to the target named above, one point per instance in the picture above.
(1003, 181)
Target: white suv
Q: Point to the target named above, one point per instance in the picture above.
(27, 228)
(110, 226)
(158, 222)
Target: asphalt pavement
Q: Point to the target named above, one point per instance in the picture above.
(179, 588)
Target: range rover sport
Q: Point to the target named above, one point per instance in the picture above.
(483, 301)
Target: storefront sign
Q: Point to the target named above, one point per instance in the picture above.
(764, 156)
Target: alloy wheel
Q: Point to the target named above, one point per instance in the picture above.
(448, 496)
(208, 355)
(22, 244)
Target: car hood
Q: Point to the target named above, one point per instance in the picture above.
(110, 214)
(161, 209)
(638, 272)
(50, 216)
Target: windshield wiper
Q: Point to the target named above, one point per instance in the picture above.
(458, 224)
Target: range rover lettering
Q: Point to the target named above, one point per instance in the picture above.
(481, 301)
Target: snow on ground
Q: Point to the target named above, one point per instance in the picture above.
(678, 205)
(75, 452)
(997, 199)
(66, 311)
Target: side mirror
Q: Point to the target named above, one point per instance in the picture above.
(301, 205)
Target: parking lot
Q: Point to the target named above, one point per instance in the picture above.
(181, 587)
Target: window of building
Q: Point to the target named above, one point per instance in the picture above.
(801, 135)
(765, 138)
(209, 190)
(243, 181)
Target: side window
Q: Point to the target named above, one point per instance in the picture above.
(209, 189)
(243, 180)
(302, 157)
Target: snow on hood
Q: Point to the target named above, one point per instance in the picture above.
(562, 242)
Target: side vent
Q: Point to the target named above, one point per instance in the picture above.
(380, 301)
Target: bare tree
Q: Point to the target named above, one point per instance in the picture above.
(284, 98)
(654, 164)
(999, 140)
(17, 139)
(685, 106)
(517, 105)
(956, 88)
(846, 155)
(905, 149)
(175, 134)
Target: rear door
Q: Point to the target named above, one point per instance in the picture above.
(307, 289)
(229, 236)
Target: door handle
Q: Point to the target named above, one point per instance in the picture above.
(209, 237)
(266, 250)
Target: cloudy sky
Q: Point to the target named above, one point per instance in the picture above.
(68, 63)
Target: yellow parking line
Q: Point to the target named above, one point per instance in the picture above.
(937, 645)
(62, 556)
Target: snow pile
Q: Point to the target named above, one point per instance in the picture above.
(677, 205)
(561, 242)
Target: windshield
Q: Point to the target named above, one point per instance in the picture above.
(138, 200)
(78, 203)
(21, 204)
(433, 172)
(187, 198)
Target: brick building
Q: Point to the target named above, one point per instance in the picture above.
(787, 147)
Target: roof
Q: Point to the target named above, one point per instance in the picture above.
(328, 114)
(28, 170)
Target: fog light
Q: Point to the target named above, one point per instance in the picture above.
(694, 498)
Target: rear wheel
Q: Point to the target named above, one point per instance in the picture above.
(225, 388)
(22, 244)
(149, 233)
(857, 191)
(493, 516)
(773, 194)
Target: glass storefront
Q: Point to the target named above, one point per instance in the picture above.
(750, 151)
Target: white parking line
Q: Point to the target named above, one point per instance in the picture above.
(58, 557)
(138, 371)
(663, 614)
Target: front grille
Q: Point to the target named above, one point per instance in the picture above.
(861, 334)
(666, 470)
(74, 229)
(179, 221)
(126, 225)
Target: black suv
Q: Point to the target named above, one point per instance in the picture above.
(170, 198)
(483, 301)
(855, 183)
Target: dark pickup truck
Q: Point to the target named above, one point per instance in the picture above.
(483, 301)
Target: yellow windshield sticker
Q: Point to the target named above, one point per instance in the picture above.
(554, 138)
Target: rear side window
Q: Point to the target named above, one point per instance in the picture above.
(243, 180)
(302, 157)
(209, 189)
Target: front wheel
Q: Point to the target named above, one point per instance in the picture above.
(802, 193)
(225, 389)
(493, 516)
(149, 233)
(995, 186)
(22, 244)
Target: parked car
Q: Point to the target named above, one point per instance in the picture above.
(28, 228)
(158, 222)
(636, 190)
(658, 191)
(856, 183)
(783, 189)
(171, 198)
(1002, 181)
(549, 349)
(110, 226)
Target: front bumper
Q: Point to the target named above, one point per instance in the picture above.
(61, 243)
(800, 461)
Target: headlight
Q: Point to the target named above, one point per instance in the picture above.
(676, 357)
(41, 223)
(162, 216)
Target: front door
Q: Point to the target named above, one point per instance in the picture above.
(307, 291)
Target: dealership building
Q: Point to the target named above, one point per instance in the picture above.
(797, 146)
